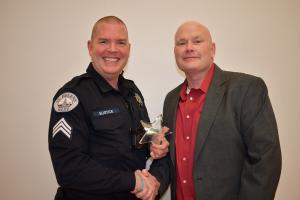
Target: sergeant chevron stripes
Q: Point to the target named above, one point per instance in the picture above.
(62, 126)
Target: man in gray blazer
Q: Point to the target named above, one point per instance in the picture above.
(225, 143)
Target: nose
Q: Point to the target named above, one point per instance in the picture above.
(112, 47)
(189, 46)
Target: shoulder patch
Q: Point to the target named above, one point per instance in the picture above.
(65, 102)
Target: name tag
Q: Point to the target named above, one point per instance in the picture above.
(100, 113)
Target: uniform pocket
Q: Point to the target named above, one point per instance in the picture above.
(107, 119)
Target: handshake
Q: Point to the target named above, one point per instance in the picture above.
(146, 185)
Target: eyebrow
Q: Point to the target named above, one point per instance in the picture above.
(180, 39)
(198, 37)
(121, 39)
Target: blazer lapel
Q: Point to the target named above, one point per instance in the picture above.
(212, 102)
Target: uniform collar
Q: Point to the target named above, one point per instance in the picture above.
(104, 86)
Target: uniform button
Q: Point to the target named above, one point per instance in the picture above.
(191, 98)
(184, 158)
(188, 116)
(184, 181)
(187, 137)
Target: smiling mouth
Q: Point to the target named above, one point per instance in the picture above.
(109, 59)
(190, 58)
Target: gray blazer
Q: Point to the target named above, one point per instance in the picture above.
(237, 151)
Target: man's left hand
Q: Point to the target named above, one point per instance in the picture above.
(160, 145)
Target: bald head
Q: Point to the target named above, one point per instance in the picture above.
(192, 27)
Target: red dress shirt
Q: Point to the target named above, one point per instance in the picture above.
(188, 115)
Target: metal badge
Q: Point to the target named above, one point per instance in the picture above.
(138, 99)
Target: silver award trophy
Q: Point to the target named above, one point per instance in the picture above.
(152, 131)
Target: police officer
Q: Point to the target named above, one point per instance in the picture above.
(93, 137)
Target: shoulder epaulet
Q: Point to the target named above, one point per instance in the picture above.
(130, 81)
(76, 80)
(132, 85)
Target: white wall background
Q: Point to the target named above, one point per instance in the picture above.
(43, 44)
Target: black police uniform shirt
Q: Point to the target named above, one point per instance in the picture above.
(90, 140)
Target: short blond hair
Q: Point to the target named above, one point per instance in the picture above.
(107, 19)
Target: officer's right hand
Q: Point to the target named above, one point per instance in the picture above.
(146, 186)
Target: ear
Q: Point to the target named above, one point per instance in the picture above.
(90, 46)
(129, 46)
(213, 50)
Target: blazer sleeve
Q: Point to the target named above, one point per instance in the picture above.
(262, 166)
(162, 168)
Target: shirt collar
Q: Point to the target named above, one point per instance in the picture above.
(204, 85)
(208, 77)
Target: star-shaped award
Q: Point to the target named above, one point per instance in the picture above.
(151, 130)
